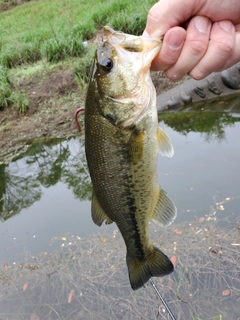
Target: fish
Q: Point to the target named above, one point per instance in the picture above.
(122, 141)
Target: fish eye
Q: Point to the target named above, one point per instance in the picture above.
(106, 64)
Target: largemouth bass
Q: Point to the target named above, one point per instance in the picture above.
(122, 142)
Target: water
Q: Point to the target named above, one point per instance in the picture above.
(46, 191)
(45, 211)
(202, 171)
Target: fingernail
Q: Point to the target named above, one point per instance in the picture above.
(225, 25)
(202, 24)
(174, 41)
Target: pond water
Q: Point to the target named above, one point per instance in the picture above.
(56, 264)
(47, 190)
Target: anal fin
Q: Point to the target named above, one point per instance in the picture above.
(165, 210)
(98, 214)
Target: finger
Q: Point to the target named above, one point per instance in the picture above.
(194, 48)
(221, 48)
(235, 57)
(237, 28)
(171, 49)
(166, 14)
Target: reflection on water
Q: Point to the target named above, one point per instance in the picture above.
(43, 165)
(211, 125)
(44, 192)
(209, 118)
(47, 190)
(45, 195)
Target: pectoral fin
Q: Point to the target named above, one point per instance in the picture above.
(136, 146)
(165, 210)
(165, 147)
(98, 215)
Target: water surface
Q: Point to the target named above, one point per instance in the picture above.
(47, 190)
(56, 264)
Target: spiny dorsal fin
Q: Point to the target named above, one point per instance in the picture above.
(165, 211)
(165, 147)
(98, 215)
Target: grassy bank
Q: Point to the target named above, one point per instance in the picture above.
(44, 66)
(52, 31)
(55, 29)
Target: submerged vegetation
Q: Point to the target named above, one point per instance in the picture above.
(87, 278)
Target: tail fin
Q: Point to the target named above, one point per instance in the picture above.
(156, 265)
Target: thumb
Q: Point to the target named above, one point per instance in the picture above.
(166, 14)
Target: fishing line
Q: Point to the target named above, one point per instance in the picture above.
(112, 33)
(163, 301)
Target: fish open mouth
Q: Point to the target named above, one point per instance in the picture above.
(131, 47)
(123, 63)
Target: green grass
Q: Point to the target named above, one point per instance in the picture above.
(52, 31)
(7, 94)
(55, 29)
(5, 88)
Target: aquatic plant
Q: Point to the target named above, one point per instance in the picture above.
(86, 278)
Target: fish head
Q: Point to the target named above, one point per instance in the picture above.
(121, 73)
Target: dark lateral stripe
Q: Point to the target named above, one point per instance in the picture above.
(134, 231)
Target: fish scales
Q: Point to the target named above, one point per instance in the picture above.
(115, 179)
(122, 141)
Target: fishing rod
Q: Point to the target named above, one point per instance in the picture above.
(163, 301)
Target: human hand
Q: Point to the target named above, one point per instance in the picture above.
(210, 42)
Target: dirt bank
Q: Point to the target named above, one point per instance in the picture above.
(53, 98)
